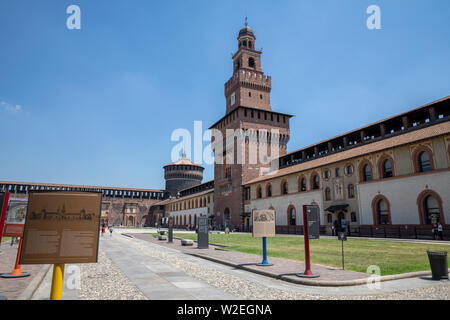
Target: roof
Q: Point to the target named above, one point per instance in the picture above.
(183, 161)
(409, 137)
(370, 125)
(78, 186)
(246, 30)
(171, 200)
(250, 108)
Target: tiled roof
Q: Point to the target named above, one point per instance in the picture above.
(410, 137)
(171, 200)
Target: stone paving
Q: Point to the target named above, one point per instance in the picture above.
(131, 268)
(154, 278)
(248, 285)
(281, 267)
(13, 287)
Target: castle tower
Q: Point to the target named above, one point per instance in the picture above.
(248, 110)
(182, 174)
(248, 86)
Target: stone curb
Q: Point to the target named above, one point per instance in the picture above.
(28, 293)
(319, 283)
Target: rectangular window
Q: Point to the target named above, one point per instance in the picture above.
(233, 98)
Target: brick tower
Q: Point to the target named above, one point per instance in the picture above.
(182, 174)
(248, 109)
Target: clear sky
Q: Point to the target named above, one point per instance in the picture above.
(97, 106)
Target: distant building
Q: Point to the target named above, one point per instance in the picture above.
(182, 174)
(120, 206)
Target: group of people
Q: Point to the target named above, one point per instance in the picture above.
(104, 230)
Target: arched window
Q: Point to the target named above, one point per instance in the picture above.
(382, 212)
(351, 191)
(327, 194)
(269, 190)
(251, 62)
(424, 162)
(315, 182)
(367, 173)
(258, 192)
(326, 174)
(349, 169)
(302, 185)
(432, 212)
(387, 169)
(249, 44)
(291, 216)
(245, 43)
(284, 187)
(329, 218)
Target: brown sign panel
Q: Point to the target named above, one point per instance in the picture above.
(263, 223)
(61, 227)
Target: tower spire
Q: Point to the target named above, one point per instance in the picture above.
(246, 21)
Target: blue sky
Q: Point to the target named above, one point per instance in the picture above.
(97, 106)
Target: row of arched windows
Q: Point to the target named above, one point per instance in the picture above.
(185, 220)
(191, 204)
(422, 159)
(314, 184)
(422, 162)
(429, 207)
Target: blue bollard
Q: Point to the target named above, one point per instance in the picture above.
(264, 262)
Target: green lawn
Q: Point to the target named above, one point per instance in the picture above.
(392, 257)
(6, 239)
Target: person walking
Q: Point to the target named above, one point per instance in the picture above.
(110, 231)
(103, 229)
(440, 231)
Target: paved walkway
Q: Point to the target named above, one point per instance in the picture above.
(157, 280)
(131, 268)
(13, 287)
(280, 268)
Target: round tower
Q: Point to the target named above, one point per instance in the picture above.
(182, 174)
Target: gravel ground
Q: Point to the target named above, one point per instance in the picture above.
(105, 281)
(247, 289)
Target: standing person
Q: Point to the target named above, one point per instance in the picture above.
(434, 230)
(110, 231)
(103, 229)
(335, 227)
(440, 231)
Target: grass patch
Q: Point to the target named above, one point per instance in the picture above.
(6, 239)
(393, 257)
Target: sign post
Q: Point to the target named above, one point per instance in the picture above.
(170, 240)
(203, 241)
(343, 237)
(57, 282)
(263, 226)
(15, 220)
(61, 227)
(310, 215)
(4, 197)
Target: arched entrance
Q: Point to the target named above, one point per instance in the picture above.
(130, 221)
